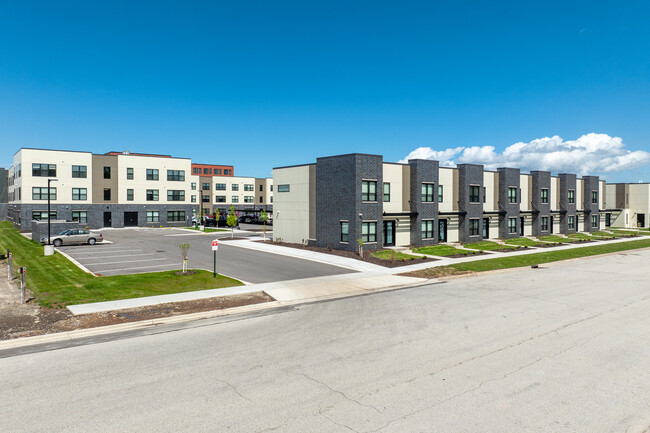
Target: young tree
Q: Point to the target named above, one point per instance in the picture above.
(264, 217)
(360, 242)
(232, 221)
(185, 249)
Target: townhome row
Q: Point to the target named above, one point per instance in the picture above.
(342, 199)
(121, 189)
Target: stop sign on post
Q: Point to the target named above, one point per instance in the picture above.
(215, 245)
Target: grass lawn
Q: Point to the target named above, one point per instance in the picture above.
(443, 250)
(604, 234)
(555, 238)
(396, 255)
(523, 242)
(581, 236)
(529, 259)
(488, 246)
(57, 282)
(208, 229)
(631, 232)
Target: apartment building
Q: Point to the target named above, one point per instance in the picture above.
(630, 205)
(116, 189)
(343, 198)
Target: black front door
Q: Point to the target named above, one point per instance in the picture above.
(486, 228)
(551, 227)
(108, 219)
(442, 230)
(389, 233)
(130, 219)
(521, 226)
(640, 220)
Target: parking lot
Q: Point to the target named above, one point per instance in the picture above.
(141, 250)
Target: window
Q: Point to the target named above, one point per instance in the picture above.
(440, 194)
(271, 198)
(571, 223)
(474, 195)
(427, 229)
(473, 226)
(193, 186)
(608, 219)
(271, 186)
(571, 196)
(249, 187)
(386, 191)
(235, 199)
(152, 174)
(283, 188)
(79, 194)
(175, 215)
(235, 187)
(107, 193)
(217, 171)
(153, 216)
(205, 199)
(219, 186)
(220, 199)
(369, 190)
(484, 194)
(249, 199)
(427, 192)
(595, 220)
(79, 171)
(129, 195)
(196, 170)
(43, 170)
(543, 195)
(512, 225)
(369, 231)
(42, 214)
(344, 231)
(129, 173)
(261, 199)
(594, 197)
(544, 224)
(40, 193)
(261, 188)
(152, 195)
(176, 175)
(207, 171)
(193, 198)
(107, 172)
(512, 196)
(205, 186)
(175, 195)
(80, 215)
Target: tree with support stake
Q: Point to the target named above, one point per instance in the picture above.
(185, 249)
(232, 221)
(264, 217)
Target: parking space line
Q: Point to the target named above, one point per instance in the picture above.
(97, 252)
(125, 261)
(141, 267)
(122, 255)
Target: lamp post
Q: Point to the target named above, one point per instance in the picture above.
(48, 209)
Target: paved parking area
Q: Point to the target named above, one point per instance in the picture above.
(139, 250)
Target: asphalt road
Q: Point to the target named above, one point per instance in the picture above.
(152, 250)
(563, 348)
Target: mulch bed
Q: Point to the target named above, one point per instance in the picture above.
(353, 255)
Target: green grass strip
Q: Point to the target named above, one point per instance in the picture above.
(393, 255)
(443, 250)
(488, 246)
(523, 242)
(208, 229)
(57, 282)
(554, 238)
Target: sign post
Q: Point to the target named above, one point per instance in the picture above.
(23, 271)
(215, 247)
(9, 265)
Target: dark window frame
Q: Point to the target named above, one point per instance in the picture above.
(79, 171)
(427, 192)
(475, 193)
(370, 193)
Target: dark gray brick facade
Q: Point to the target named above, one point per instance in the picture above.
(508, 178)
(541, 180)
(338, 198)
(591, 183)
(469, 175)
(568, 183)
(423, 171)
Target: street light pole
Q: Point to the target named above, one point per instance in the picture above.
(48, 209)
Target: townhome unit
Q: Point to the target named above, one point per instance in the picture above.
(342, 199)
(630, 205)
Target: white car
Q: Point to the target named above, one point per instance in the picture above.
(74, 236)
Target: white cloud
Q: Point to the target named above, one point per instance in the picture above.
(590, 154)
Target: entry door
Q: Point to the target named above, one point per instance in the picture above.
(521, 226)
(130, 219)
(551, 227)
(442, 230)
(108, 219)
(640, 220)
(389, 233)
(486, 228)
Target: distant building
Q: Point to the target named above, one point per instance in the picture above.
(630, 203)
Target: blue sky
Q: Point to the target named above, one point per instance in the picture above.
(260, 84)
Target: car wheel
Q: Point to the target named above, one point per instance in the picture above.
(91, 241)
(57, 242)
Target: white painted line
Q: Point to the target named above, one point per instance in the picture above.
(99, 252)
(122, 255)
(141, 267)
(82, 267)
(125, 261)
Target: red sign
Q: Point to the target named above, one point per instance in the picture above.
(215, 245)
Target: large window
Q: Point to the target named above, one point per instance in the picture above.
(344, 231)
(220, 199)
(369, 190)
(474, 194)
(219, 186)
(595, 221)
(386, 191)
(440, 194)
(129, 173)
(42, 215)
(284, 188)
(44, 170)
(107, 193)
(175, 195)
(473, 226)
(205, 186)
(594, 197)
(543, 198)
(152, 174)
(544, 224)
(571, 196)
(207, 171)
(235, 199)
(40, 193)
(79, 171)
(427, 229)
(152, 195)
(176, 175)
(175, 215)
(427, 192)
(571, 222)
(107, 172)
(205, 199)
(512, 225)
(80, 215)
(193, 186)
(153, 216)
(261, 188)
(79, 194)
(129, 195)
(369, 231)
(235, 187)
(249, 187)
(512, 195)
(193, 198)
(249, 199)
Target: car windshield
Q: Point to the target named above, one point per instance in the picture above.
(64, 232)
